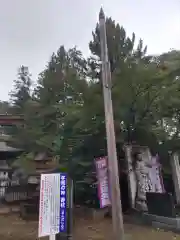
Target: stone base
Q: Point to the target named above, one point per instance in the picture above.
(8, 209)
(165, 223)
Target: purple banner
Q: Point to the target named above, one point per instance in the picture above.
(103, 181)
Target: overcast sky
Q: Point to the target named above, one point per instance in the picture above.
(30, 30)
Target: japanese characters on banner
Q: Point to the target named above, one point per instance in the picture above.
(103, 181)
(63, 199)
(53, 202)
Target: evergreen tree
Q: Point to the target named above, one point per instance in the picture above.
(22, 89)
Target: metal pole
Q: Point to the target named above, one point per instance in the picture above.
(69, 234)
(117, 218)
(70, 211)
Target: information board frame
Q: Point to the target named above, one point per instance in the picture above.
(53, 204)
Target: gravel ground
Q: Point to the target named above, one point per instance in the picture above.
(12, 227)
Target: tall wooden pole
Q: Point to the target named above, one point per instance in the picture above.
(117, 218)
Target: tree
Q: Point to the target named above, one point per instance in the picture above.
(140, 84)
(120, 46)
(22, 90)
(60, 93)
(4, 107)
(55, 106)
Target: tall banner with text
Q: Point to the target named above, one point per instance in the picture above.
(103, 181)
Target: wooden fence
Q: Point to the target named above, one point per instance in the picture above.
(11, 191)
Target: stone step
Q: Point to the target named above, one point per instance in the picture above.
(165, 227)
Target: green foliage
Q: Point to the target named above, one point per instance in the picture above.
(22, 89)
(4, 107)
(25, 162)
(64, 115)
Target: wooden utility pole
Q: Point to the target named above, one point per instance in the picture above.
(117, 218)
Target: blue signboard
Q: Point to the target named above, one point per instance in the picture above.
(63, 202)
